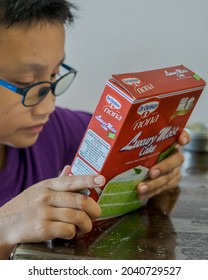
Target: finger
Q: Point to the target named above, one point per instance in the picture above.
(56, 229)
(75, 183)
(75, 201)
(65, 171)
(76, 217)
(49, 230)
(170, 185)
(162, 183)
(184, 138)
(174, 160)
(159, 182)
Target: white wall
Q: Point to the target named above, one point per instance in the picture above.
(115, 36)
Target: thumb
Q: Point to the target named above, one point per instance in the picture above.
(65, 171)
(75, 183)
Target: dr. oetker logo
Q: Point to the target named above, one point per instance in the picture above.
(133, 82)
(113, 103)
(145, 109)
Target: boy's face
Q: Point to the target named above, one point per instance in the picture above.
(27, 55)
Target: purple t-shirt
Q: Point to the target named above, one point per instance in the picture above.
(55, 147)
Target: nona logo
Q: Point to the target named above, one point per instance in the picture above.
(113, 103)
(145, 109)
(132, 81)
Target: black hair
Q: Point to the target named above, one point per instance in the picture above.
(17, 12)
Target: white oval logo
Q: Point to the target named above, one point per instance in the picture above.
(132, 81)
(113, 102)
(148, 107)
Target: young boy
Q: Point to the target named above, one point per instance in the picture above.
(38, 139)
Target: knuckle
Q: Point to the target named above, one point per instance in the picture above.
(44, 197)
(69, 232)
(88, 228)
(63, 230)
(83, 202)
(41, 229)
(83, 222)
(80, 217)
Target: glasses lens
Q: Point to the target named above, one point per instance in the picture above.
(36, 94)
(63, 83)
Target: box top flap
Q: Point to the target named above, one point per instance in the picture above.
(157, 82)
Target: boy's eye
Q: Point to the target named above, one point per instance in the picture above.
(21, 84)
(27, 84)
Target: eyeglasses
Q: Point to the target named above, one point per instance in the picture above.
(35, 93)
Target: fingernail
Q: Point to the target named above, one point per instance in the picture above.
(143, 189)
(185, 140)
(99, 180)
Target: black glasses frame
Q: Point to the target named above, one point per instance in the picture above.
(24, 91)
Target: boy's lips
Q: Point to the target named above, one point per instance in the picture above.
(34, 129)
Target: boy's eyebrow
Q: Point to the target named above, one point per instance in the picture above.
(36, 66)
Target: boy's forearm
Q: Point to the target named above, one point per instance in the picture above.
(6, 247)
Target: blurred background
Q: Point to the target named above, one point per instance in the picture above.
(118, 36)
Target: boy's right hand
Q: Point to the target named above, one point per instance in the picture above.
(50, 209)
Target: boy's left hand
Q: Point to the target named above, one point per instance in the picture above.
(164, 175)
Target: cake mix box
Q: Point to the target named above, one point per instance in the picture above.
(135, 124)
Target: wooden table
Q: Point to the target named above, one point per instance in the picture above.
(173, 225)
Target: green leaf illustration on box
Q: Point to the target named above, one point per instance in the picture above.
(119, 195)
(166, 153)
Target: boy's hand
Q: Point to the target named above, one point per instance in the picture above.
(164, 175)
(50, 209)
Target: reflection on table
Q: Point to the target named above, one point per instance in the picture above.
(172, 225)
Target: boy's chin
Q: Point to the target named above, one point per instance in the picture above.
(23, 143)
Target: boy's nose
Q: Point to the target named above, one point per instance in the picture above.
(46, 106)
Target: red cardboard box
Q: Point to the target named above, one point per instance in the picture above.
(135, 124)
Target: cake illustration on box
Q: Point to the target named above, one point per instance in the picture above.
(119, 195)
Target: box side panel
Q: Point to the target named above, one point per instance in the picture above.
(102, 132)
